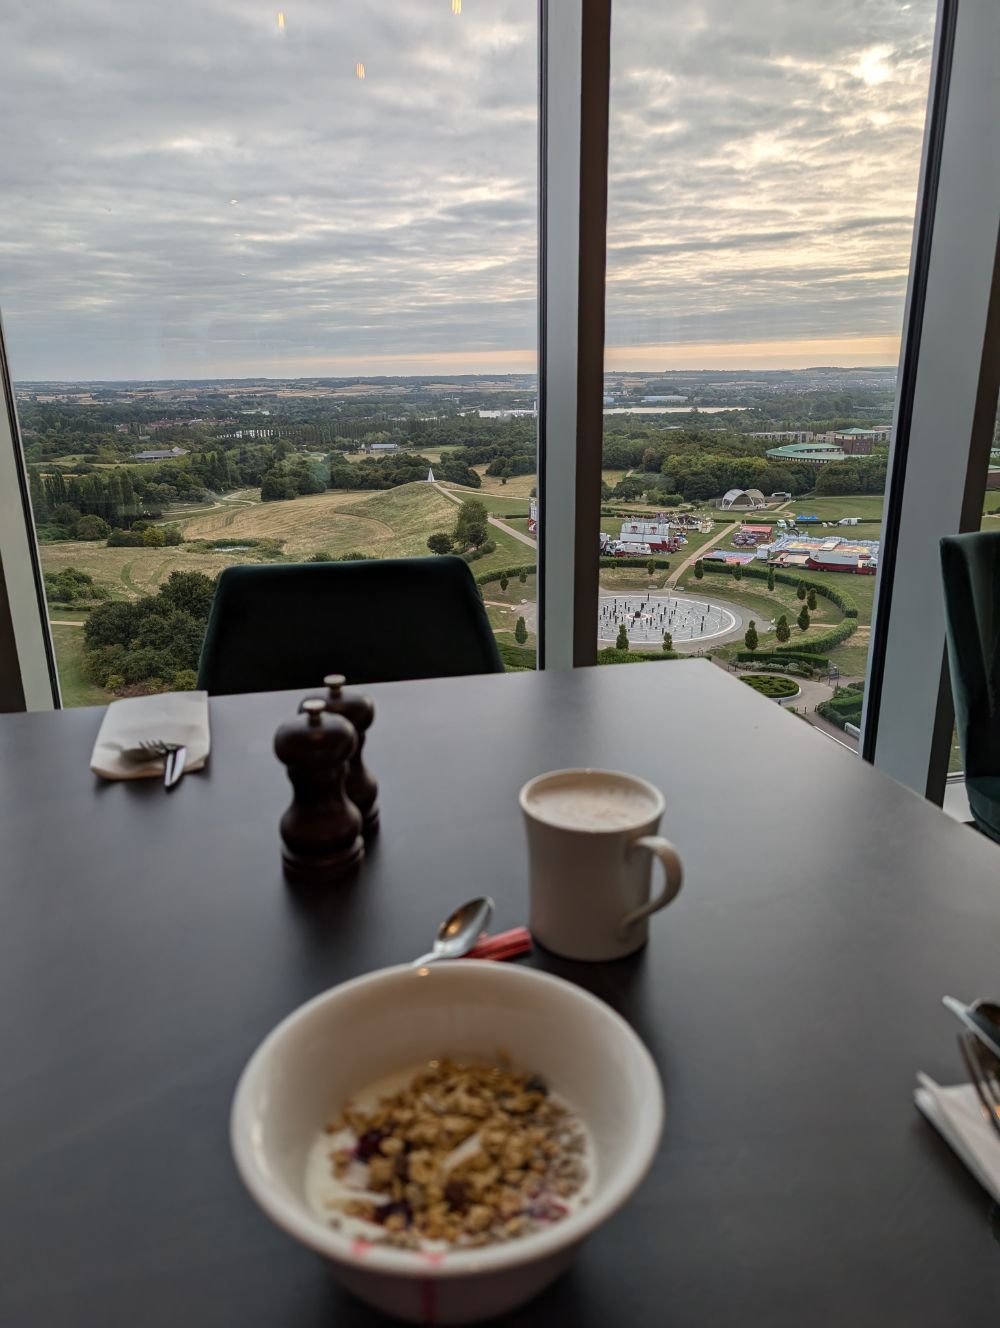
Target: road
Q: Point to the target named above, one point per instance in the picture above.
(494, 521)
(674, 577)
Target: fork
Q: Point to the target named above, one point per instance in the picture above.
(982, 1066)
(156, 747)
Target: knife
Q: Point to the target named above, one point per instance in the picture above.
(174, 767)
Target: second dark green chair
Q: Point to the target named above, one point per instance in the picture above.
(971, 569)
(274, 627)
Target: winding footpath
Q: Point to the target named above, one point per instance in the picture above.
(493, 521)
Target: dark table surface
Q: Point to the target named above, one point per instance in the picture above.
(148, 942)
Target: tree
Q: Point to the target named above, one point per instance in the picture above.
(188, 592)
(770, 578)
(651, 566)
(521, 632)
(440, 542)
(471, 527)
(504, 583)
(522, 575)
(320, 556)
(699, 571)
(153, 537)
(750, 637)
(622, 641)
(668, 642)
(738, 572)
(811, 599)
(803, 618)
(800, 590)
(782, 631)
(92, 528)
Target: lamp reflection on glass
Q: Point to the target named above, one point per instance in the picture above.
(456, 6)
(359, 70)
(281, 20)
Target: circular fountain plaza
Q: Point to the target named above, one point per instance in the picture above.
(689, 620)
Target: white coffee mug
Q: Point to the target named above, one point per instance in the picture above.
(591, 845)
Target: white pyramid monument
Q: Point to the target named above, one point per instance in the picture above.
(430, 477)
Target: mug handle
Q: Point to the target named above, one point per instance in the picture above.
(672, 872)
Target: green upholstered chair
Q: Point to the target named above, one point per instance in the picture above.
(971, 568)
(284, 626)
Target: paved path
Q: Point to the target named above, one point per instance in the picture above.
(698, 553)
(494, 521)
(65, 622)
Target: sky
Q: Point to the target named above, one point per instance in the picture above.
(209, 189)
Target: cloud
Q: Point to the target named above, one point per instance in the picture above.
(763, 172)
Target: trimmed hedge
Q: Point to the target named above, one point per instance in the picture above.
(518, 658)
(638, 560)
(828, 640)
(775, 688)
(842, 598)
(511, 573)
(803, 656)
(609, 655)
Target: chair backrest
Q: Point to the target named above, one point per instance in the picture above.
(970, 565)
(283, 626)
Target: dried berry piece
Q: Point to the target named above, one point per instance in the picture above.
(457, 1193)
(536, 1084)
(388, 1211)
(368, 1144)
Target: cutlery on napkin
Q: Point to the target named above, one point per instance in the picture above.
(176, 717)
(957, 1115)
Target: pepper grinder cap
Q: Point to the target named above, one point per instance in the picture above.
(315, 708)
(335, 682)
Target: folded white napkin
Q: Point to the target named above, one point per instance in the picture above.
(170, 717)
(957, 1114)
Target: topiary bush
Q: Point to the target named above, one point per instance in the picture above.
(777, 689)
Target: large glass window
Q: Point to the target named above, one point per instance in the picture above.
(268, 285)
(763, 173)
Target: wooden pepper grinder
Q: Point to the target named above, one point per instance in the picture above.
(362, 788)
(321, 828)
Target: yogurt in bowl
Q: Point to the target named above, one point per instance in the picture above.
(447, 1136)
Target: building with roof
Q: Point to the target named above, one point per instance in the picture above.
(743, 500)
(859, 442)
(815, 553)
(160, 454)
(814, 453)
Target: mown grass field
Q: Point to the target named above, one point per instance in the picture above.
(383, 524)
(76, 690)
(866, 505)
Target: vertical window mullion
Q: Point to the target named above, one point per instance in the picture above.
(573, 157)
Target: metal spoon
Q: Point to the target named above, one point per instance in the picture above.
(458, 934)
(981, 1017)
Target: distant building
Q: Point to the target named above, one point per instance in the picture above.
(430, 476)
(660, 400)
(385, 447)
(160, 454)
(743, 500)
(814, 454)
(785, 435)
(859, 442)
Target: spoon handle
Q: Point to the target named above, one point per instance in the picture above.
(431, 958)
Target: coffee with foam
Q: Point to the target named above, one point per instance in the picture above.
(591, 801)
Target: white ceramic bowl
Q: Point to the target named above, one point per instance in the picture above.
(347, 1038)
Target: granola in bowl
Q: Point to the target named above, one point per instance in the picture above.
(450, 1156)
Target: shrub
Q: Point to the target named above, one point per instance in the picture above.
(489, 546)
(828, 639)
(611, 655)
(517, 658)
(487, 578)
(775, 688)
